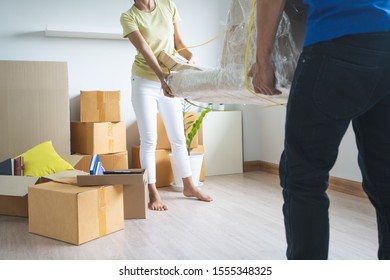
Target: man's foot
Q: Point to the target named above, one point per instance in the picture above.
(155, 202)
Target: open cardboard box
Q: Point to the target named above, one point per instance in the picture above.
(14, 190)
(13, 195)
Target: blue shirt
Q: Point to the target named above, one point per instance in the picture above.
(329, 19)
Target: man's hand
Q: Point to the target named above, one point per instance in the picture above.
(263, 78)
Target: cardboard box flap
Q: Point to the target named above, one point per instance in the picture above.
(73, 181)
(69, 180)
(73, 159)
(110, 179)
(65, 174)
(59, 187)
(16, 185)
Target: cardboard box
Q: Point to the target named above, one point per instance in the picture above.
(74, 214)
(109, 161)
(164, 173)
(162, 136)
(14, 190)
(100, 106)
(135, 191)
(34, 106)
(98, 138)
(13, 195)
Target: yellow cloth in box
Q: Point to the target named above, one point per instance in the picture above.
(43, 160)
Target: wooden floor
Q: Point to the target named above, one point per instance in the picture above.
(243, 222)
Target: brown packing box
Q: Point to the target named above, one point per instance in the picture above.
(162, 136)
(14, 189)
(100, 106)
(13, 195)
(164, 174)
(98, 138)
(135, 193)
(74, 214)
(109, 161)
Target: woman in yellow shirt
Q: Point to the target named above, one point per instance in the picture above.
(151, 26)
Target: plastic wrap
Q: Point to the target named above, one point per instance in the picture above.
(226, 84)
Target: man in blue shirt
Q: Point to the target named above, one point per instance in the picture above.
(341, 77)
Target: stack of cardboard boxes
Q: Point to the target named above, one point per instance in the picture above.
(164, 173)
(58, 205)
(76, 212)
(100, 130)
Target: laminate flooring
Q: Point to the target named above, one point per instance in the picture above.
(244, 222)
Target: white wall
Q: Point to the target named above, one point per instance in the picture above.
(105, 64)
(98, 64)
(264, 136)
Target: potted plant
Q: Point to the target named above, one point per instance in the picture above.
(191, 128)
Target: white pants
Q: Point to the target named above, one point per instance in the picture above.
(148, 99)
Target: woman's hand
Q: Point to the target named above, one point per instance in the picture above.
(191, 60)
(166, 89)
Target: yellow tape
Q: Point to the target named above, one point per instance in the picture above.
(100, 96)
(205, 43)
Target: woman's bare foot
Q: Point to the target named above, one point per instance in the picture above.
(196, 192)
(155, 202)
(191, 191)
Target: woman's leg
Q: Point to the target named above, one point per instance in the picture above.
(171, 113)
(144, 98)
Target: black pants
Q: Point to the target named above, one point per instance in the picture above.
(336, 82)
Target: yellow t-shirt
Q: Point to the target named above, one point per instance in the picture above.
(157, 29)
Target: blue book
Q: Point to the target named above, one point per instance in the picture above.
(96, 167)
(93, 164)
(99, 169)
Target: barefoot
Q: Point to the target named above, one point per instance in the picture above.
(196, 192)
(155, 202)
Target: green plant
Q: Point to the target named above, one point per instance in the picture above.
(191, 127)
